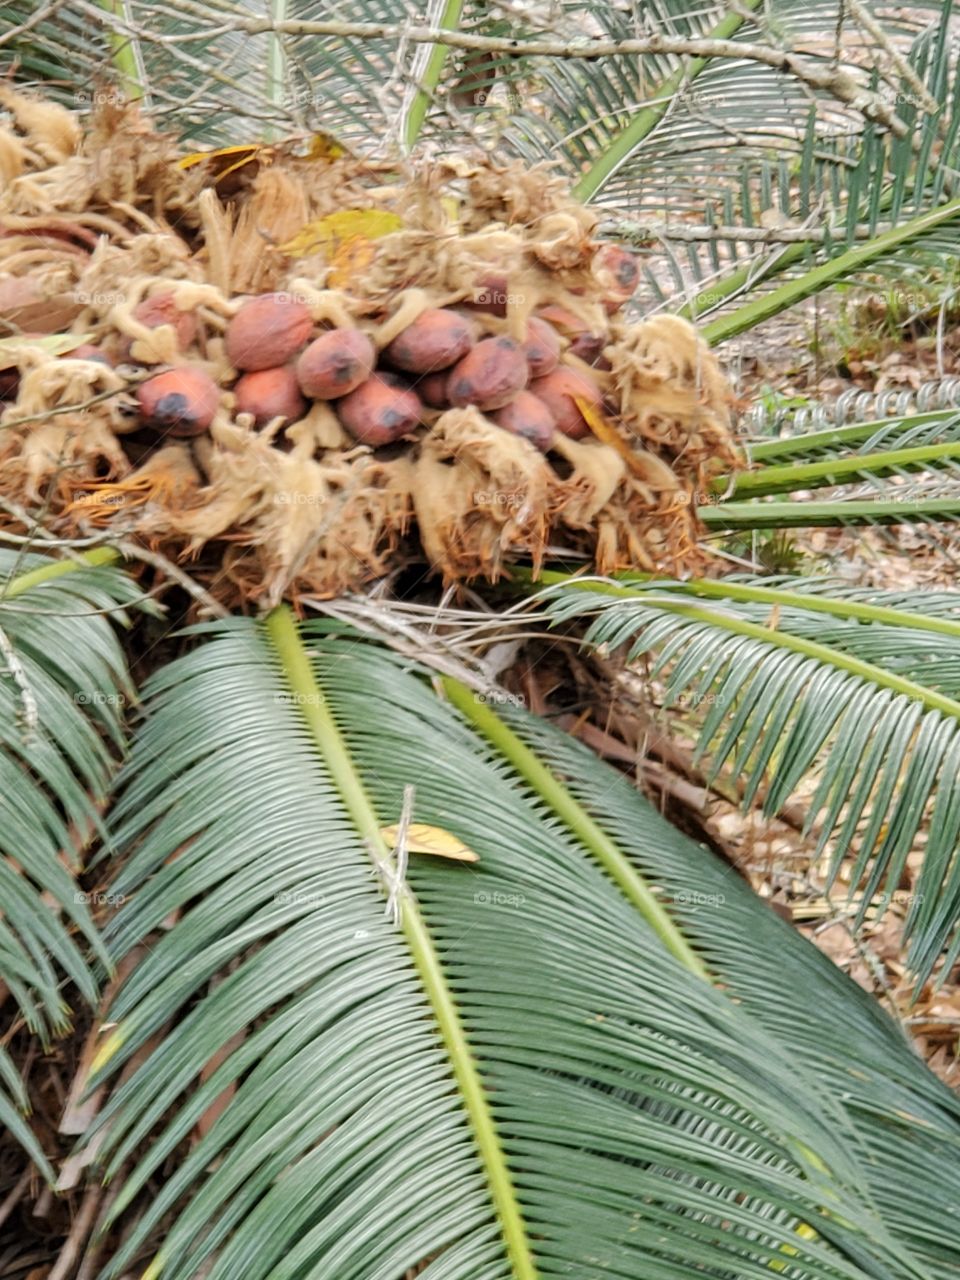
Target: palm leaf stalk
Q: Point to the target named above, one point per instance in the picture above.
(645, 1126)
(792, 477)
(937, 424)
(433, 69)
(730, 516)
(646, 120)
(866, 699)
(285, 638)
(840, 268)
(125, 54)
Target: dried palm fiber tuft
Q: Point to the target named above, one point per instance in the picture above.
(479, 495)
(112, 238)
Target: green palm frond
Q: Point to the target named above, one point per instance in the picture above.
(719, 912)
(890, 471)
(60, 714)
(853, 685)
(529, 1077)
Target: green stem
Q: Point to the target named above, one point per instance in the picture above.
(449, 20)
(799, 515)
(556, 795)
(124, 53)
(645, 121)
(839, 437)
(724, 590)
(821, 653)
(56, 568)
(284, 636)
(749, 275)
(842, 267)
(791, 477)
(276, 60)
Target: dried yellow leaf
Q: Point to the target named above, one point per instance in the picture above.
(433, 840)
(326, 235)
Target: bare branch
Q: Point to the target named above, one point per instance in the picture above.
(835, 81)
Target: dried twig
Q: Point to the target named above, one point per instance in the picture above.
(838, 82)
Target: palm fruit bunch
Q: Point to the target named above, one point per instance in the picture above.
(304, 370)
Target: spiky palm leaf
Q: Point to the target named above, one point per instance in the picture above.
(893, 470)
(532, 1075)
(804, 674)
(60, 713)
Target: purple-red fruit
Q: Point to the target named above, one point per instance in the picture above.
(267, 331)
(491, 295)
(432, 389)
(542, 347)
(490, 375)
(159, 309)
(589, 347)
(435, 340)
(529, 417)
(335, 364)
(618, 274)
(180, 402)
(86, 351)
(269, 394)
(560, 391)
(380, 410)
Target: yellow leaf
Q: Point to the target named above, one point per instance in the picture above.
(155, 1267)
(604, 430)
(349, 260)
(451, 209)
(112, 1045)
(424, 839)
(226, 160)
(645, 465)
(55, 343)
(324, 146)
(326, 235)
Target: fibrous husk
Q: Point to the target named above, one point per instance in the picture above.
(517, 196)
(49, 129)
(479, 495)
(140, 503)
(94, 225)
(324, 525)
(672, 393)
(71, 444)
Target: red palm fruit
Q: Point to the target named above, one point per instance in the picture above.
(432, 389)
(335, 364)
(490, 295)
(380, 410)
(618, 273)
(490, 375)
(589, 347)
(436, 340)
(542, 347)
(583, 343)
(560, 391)
(529, 417)
(180, 402)
(159, 309)
(267, 332)
(86, 351)
(269, 394)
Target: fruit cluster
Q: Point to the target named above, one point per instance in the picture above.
(440, 360)
(224, 370)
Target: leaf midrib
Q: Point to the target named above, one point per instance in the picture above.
(282, 633)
